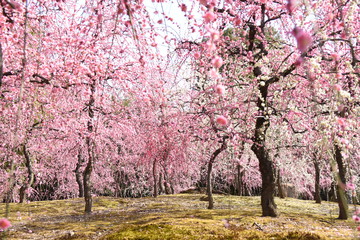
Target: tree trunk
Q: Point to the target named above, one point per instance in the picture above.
(155, 193)
(265, 162)
(168, 187)
(342, 200)
(317, 181)
(209, 186)
(239, 184)
(1, 65)
(172, 188)
(30, 179)
(161, 188)
(78, 175)
(268, 181)
(167, 183)
(90, 147)
(280, 186)
(210, 166)
(8, 198)
(201, 184)
(87, 178)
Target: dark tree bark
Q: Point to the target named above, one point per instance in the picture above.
(266, 164)
(239, 182)
(280, 186)
(30, 179)
(8, 198)
(1, 65)
(78, 175)
(90, 149)
(341, 198)
(209, 171)
(154, 172)
(201, 184)
(317, 181)
(172, 188)
(166, 183)
(87, 177)
(161, 188)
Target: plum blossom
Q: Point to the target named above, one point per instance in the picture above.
(210, 46)
(221, 120)
(303, 39)
(337, 87)
(356, 218)
(335, 56)
(341, 122)
(183, 7)
(197, 55)
(203, 2)
(4, 224)
(298, 61)
(220, 89)
(290, 6)
(237, 21)
(214, 34)
(209, 17)
(214, 74)
(350, 186)
(217, 62)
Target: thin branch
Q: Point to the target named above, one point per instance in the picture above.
(292, 128)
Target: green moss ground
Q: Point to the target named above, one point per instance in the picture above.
(181, 216)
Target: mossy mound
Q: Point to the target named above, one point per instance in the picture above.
(181, 216)
(169, 232)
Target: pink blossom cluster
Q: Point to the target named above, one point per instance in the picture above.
(220, 89)
(303, 39)
(221, 120)
(4, 224)
(356, 218)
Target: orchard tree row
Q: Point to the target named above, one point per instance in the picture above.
(136, 98)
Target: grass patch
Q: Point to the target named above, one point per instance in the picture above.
(180, 216)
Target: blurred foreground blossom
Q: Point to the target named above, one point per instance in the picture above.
(4, 224)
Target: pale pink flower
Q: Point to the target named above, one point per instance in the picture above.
(4, 224)
(220, 89)
(337, 87)
(237, 21)
(203, 2)
(221, 120)
(299, 61)
(197, 55)
(290, 6)
(226, 223)
(217, 62)
(210, 46)
(215, 35)
(99, 17)
(214, 74)
(209, 17)
(303, 39)
(335, 56)
(341, 122)
(183, 7)
(350, 186)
